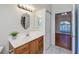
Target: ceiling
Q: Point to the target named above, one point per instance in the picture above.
(42, 6)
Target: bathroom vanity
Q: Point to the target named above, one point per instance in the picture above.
(32, 44)
(33, 47)
(39, 40)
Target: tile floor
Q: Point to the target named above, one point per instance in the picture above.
(57, 50)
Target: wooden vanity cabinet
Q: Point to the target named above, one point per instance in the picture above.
(64, 40)
(33, 47)
(40, 45)
(36, 46)
(24, 49)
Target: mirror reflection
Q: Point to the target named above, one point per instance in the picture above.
(25, 21)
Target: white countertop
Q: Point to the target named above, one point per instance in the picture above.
(22, 39)
(63, 33)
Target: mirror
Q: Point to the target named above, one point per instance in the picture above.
(25, 21)
(65, 26)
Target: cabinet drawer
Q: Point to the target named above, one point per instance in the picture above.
(22, 49)
(26, 52)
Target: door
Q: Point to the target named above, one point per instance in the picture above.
(63, 30)
(47, 30)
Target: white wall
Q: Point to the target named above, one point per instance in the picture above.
(10, 17)
(58, 8)
(43, 6)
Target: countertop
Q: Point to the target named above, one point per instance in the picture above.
(64, 33)
(22, 39)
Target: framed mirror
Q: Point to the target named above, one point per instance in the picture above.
(25, 21)
(65, 26)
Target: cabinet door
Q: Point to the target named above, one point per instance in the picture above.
(34, 47)
(63, 40)
(40, 45)
(57, 37)
(24, 49)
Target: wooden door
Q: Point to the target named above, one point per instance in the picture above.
(63, 38)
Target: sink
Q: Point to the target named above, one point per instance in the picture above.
(23, 35)
(23, 38)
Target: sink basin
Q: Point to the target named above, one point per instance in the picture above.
(23, 35)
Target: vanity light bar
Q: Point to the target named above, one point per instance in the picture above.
(64, 13)
(25, 7)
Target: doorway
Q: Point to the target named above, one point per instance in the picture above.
(63, 30)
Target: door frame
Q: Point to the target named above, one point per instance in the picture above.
(71, 26)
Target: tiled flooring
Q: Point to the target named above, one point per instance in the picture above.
(57, 50)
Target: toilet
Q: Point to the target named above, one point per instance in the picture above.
(1, 48)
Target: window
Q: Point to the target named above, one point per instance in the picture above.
(65, 26)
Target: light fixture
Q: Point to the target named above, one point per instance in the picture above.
(26, 7)
(65, 13)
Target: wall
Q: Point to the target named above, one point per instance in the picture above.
(10, 17)
(10, 21)
(43, 6)
(58, 8)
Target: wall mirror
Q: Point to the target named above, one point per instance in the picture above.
(25, 21)
(65, 26)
